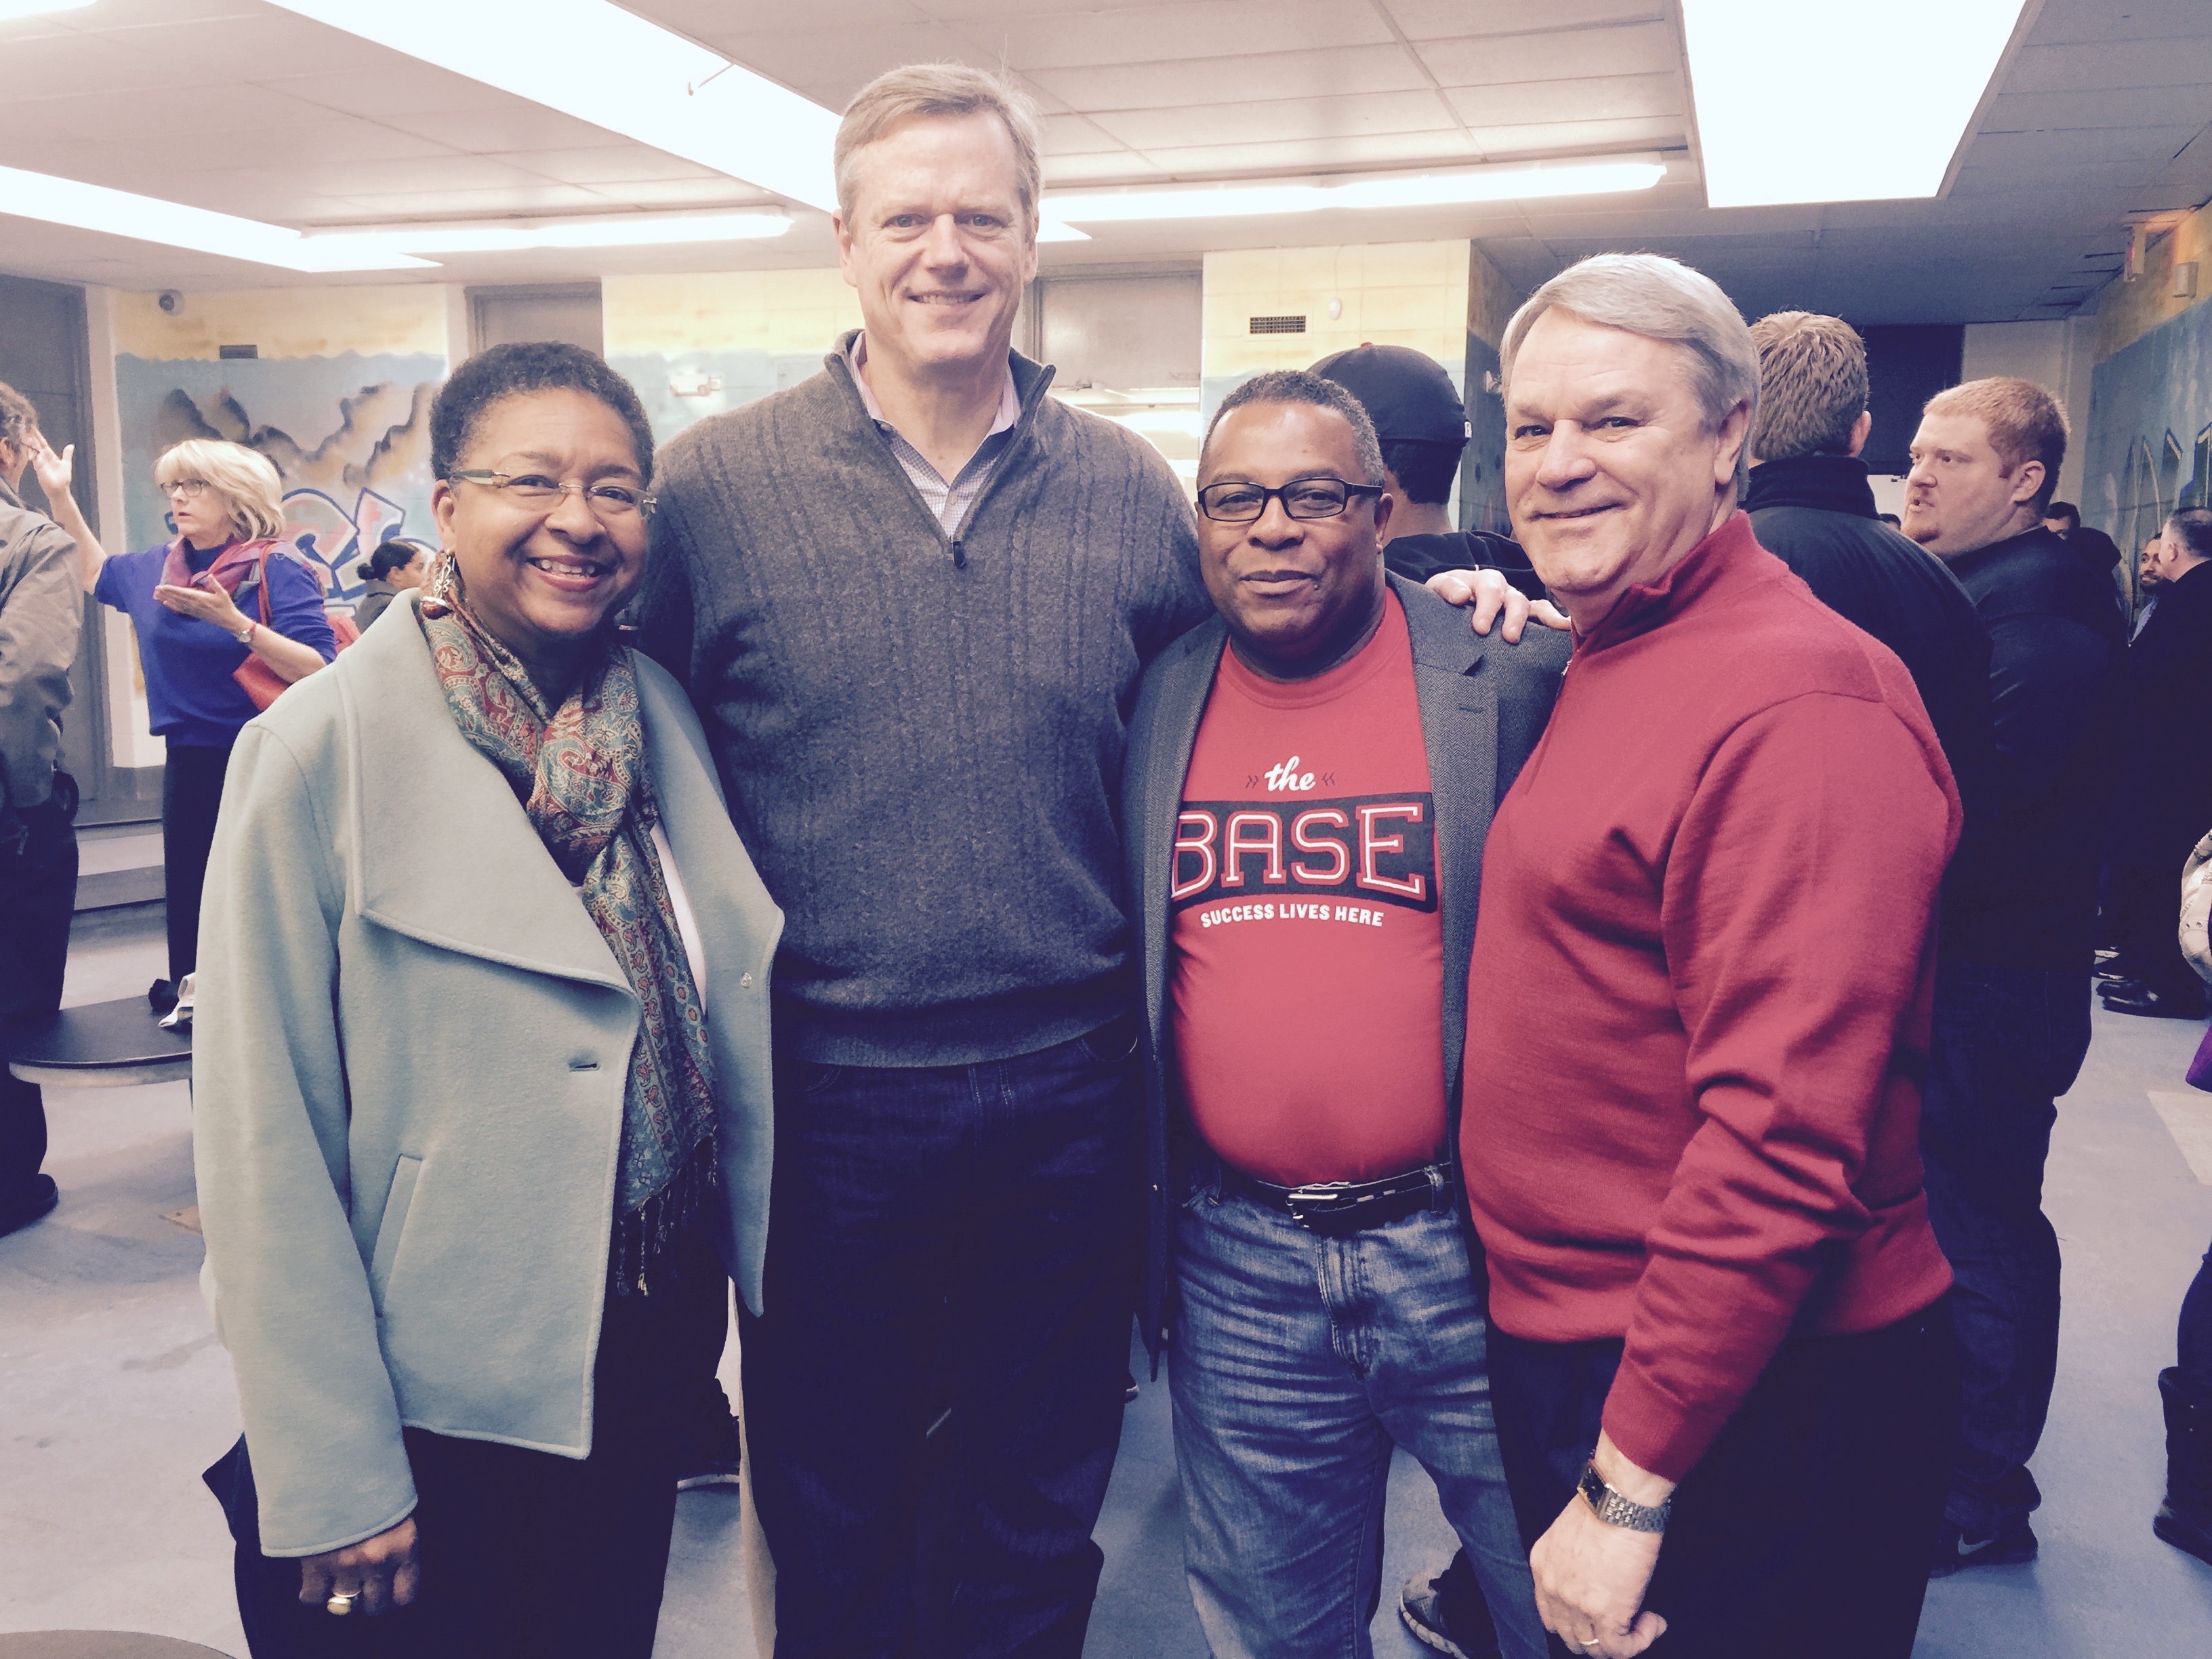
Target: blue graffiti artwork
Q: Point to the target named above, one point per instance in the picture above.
(334, 540)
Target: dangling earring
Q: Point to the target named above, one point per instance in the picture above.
(443, 592)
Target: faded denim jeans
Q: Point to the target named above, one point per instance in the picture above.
(1297, 1363)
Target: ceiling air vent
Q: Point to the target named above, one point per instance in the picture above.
(1279, 325)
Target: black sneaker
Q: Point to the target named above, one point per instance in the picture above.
(1955, 1552)
(1444, 1609)
(36, 1204)
(718, 1464)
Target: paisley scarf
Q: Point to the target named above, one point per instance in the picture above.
(580, 772)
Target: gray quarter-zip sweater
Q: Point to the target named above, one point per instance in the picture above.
(921, 737)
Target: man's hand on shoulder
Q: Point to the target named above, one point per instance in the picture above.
(1493, 598)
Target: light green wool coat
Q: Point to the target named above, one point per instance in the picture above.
(410, 1049)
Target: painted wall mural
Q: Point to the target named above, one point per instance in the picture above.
(348, 434)
(679, 387)
(2150, 446)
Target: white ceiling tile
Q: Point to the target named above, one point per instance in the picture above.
(1075, 135)
(1447, 147)
(2068, 21)
(1305, 117)
(1539, 139)
(1577, 55)
(60, 65)
(710, 192)
(1434, 19)
(1191, 28)
(622, 163)
(263, 44)
(2112, 65)
(543, 197)
(1252, 80)
(402, 87)
(1606, 98)
(703, 20)
(2030, 111)
(521, 126)
(1119, 167)
(2018, 151)
(810, 54)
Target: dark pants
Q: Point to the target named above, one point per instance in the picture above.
(2193, 1342)
(2008, 1041)
(988, 1213)
(1806, 1531)
(2147, 898)
(38, 895)
(523, 1553)
(191, 794)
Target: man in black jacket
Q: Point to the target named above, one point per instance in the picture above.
(2012, 989)
(1812, 506)
(2166, 793)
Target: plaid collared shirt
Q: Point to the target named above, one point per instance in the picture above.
(949, 499)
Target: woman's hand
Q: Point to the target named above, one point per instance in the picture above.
(381, 1571)
(55, 472)
(210, 605)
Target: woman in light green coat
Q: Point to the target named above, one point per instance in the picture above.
(481, 1072)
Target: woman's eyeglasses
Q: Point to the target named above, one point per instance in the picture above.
(189, 490)
(610, 503)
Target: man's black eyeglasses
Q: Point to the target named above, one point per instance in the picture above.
(1301, 498)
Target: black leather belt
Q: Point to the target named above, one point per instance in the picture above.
(1334, 1208)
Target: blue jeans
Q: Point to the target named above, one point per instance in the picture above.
(1296, 1363)
(960, 1232)
(2008, 1043)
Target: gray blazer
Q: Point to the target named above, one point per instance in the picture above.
(1484, 704)
(409, 1053)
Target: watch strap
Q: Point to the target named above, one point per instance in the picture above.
(1617, 1511)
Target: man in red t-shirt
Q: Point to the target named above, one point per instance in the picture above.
(1310, 780)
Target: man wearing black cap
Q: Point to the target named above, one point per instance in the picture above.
(1418, 415)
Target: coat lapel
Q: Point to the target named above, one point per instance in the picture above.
(1459, 728)
(442, 851)
(1185, 681)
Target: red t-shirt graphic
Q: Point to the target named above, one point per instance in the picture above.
(1308, 978)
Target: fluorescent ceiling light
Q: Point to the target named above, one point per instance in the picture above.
(1503, 183)
(149, 219)
(1878, 118)
(617, 71)
(631, 230)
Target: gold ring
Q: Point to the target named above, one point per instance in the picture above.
(341, 1603)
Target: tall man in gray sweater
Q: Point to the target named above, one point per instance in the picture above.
(912, 599)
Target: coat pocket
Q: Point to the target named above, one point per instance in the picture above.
(388, 1229)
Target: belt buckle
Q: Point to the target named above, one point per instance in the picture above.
(1331, 1194)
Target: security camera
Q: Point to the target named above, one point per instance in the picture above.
(171, 302)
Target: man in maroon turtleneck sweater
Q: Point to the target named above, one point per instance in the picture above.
(1697, 1023)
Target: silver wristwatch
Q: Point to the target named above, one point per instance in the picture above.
(1617, 1511)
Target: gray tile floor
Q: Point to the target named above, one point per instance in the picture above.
(114, 1395)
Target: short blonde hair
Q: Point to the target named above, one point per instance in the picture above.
(929, 92)
(2026, 423)
(1812, 385)
(247, 480)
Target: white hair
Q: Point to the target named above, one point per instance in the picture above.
(1650, 295)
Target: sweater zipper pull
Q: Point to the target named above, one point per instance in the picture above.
(959, 554)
